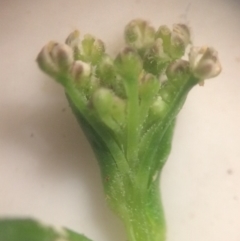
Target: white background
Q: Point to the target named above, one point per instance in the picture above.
(47, 169)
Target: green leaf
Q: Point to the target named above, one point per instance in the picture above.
(31, 230)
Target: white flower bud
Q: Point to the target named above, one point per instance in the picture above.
(181, 31)
(80, 71)
(62, 55)
(45, 60)
(204, 62)
(55, 58)
(73, 39)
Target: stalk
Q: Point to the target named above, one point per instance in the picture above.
(144, 218)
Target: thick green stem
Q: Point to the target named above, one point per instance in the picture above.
(143, 217)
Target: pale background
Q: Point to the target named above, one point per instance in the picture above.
(47, 169)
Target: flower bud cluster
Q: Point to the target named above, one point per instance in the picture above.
(157, 48)
(107, 83)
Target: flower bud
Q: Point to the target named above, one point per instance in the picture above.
(55, 58)
(82, 76)
(105, 71)
(62, 55)
(118, 110)
(110, 108)
(139, 34)
(180, 38)
(148, 91)
(158, 109)
(165, 34)
(128, 64)
(157, 49)
(181, 31)
(102, 101)
(92, 49)
(175, 41)
(148, 86)
(155, 59)
(177, 69)
(80, 71)
(45, 60)
(204, 62)
(177, 48)
(73, 41)
(168, 91)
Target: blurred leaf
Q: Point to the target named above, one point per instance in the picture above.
(31, 230)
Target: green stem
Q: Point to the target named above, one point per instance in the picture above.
(132, 115)
(144, 218)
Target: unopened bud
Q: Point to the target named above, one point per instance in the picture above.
(180, 38)
(155, 58)
(110, 108)
(62, 55)
(128, 64)
(148, 86)
(105, 70)
(73, 41)
(165, 34)
(176, 41)
(55, 58)
(168, 91)
(177, 69)
(157, 49)
(177, 48)
(102, 101)
(139, 34)
(118, 110)
(158, 109)
(45, 60)
(183, 32)
(204, 62)
(92, 49)
(80, 71)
